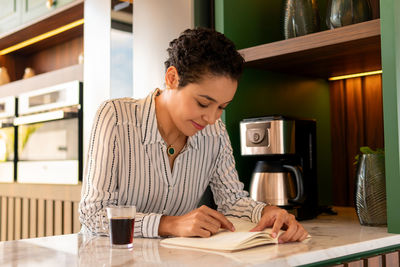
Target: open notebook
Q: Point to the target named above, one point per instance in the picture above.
(225, 240)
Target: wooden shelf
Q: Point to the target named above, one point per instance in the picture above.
(56, 19)
(71, 73)
(350, 49)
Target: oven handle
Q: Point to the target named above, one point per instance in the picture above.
(47, 116)
(6, 123)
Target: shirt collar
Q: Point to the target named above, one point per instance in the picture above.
(150, 133)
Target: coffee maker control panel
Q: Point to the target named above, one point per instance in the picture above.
(257, 137)
(267, 136)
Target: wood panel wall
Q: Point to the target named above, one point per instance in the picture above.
(55, 57)
(41, 59)
(28, 211)
(356, 121)
(28, 218)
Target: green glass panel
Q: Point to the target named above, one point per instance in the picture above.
(390, 37)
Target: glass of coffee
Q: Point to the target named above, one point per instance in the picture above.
(121, 225)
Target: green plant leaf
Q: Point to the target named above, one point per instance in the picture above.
(367, 150)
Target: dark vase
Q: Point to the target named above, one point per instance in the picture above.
(301, 17)
(370, 197)
(345, 12)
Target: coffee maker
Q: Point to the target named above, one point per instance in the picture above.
(285, 172)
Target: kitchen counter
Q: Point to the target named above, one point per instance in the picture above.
(332, 237)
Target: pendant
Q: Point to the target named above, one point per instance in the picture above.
(170, 150)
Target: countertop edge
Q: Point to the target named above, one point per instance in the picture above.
(333, 253)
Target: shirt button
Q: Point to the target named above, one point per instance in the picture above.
(170, 187)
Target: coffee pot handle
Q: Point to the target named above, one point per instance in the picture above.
(299, 183)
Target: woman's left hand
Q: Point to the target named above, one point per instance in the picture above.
(280, 219)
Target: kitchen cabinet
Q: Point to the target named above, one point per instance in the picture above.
(32, 9)
(18, 12)
(10, 14)
(289, 77)
(36, 8)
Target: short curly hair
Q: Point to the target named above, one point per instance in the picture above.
(202, 51)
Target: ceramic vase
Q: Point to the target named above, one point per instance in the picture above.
(345, 12)
(4, 77)
(29, 72)
(370, 195)
(301, 17)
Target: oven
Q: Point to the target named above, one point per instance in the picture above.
(49, 126)
(7, 139)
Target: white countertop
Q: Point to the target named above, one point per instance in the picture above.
(332, 237)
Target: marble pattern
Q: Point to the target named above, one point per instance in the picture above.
(332, 237)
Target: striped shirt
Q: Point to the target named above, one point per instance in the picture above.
(127, 164)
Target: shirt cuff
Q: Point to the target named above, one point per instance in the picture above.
(256, 214)
(149, 224)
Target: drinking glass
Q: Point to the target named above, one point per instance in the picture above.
(121, 225)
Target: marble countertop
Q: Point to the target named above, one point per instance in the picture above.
(332, 237)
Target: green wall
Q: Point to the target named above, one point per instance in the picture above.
(261, 93)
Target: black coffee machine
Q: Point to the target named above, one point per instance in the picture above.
(285, 174)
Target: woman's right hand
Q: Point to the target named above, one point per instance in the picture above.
(202, 222)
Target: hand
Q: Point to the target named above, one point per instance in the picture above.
(202, 222)
(280, 219)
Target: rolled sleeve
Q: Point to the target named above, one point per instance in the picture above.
(146, 225)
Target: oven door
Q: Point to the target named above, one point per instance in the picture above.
(7, 137)
(48, 152)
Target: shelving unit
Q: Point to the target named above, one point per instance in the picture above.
(350, 49)
(58, 18)
(56, 52)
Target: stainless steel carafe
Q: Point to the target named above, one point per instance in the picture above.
(277, 184)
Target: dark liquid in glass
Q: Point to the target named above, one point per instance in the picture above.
(122, 230)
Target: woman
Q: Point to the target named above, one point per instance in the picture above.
(160, 153)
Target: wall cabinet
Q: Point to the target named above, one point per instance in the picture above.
(17, 12)
(10, 14)
(32, 9)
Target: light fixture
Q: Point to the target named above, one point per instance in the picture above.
(355, 75)
(41, 37)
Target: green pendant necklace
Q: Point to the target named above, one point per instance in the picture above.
(170, 150)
